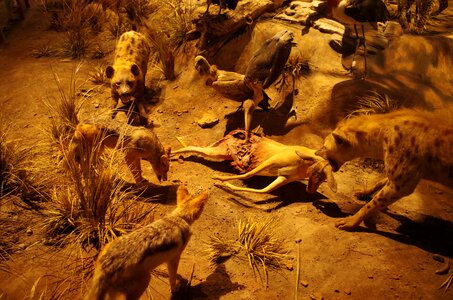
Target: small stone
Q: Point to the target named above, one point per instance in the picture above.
(347, 291)
(207, 121)
(370, 276)
(304, 283)
(160, 110)
(21, 246)
(96, 105)
(180, 161)
(29, 231)
(316, 296)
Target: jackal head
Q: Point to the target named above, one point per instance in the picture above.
(124, 81)
(189, 207)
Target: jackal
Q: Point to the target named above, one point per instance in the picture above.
(136, 142)
(123, 268)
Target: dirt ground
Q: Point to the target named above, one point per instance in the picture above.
(393, 261)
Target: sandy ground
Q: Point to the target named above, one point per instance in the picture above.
(393, 261)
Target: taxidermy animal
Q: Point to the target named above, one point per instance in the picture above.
(123, 268)
(413, 144)
(265, 66)
(136, 142)
(265, 157)
(127, 74)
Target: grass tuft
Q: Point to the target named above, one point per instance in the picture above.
(18, 174)
(257, 243)
(374, 103)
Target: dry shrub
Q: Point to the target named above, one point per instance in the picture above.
(95, 206)
(19, 175)
(64, 110)
(374, 103)
(45, 50)
(97, 76)
(257, 243)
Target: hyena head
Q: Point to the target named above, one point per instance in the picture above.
(339, 147)
(124, 81)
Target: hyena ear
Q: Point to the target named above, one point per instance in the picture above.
(339, 140)
(135, 70)
(109, 72)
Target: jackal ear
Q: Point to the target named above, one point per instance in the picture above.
(181, 194)
(339, 140)
(197, 204)
(135, 70)
(109, 72)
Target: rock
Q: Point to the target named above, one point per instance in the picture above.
(347, 291)
(316, 296)
(207, 121)
(304, 283)
(329, 26)
(297, 12)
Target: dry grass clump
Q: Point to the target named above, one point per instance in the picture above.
(18, 173)
(257, 243)
(95, 206)
(97, 76)
(64, 110)
(45, 50)
(374, 103)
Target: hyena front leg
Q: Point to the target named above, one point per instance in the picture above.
(391, 192)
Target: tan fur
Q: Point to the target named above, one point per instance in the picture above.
(288, 163)
(136, 142)
(127, 74)
(123, 267)
(413, 144)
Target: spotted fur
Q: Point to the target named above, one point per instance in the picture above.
(413, 144)
(127, 74)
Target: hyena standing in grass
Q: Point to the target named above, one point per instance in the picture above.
(413, 144)
(123, 268)
(127, 74)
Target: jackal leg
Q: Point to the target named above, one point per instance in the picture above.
(278, 182)
(133, 162)
(172, 266)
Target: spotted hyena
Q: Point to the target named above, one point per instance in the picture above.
(413, 144)
(127, 74)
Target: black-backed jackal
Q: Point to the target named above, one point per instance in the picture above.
(123, 268)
